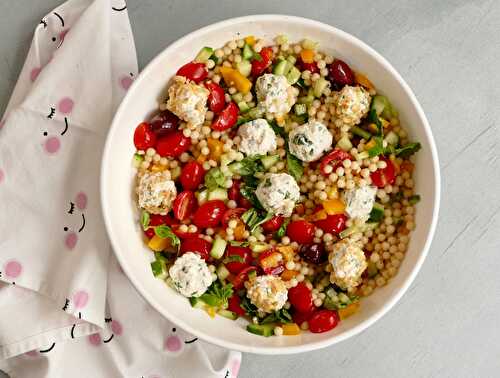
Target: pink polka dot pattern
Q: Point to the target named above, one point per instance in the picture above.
(81, 201)
(173, 344)
(34, 73)
(13, 269)
(71, 240)
(235, 368)
(52, 145)
(2, 175)
(65, 106)
(80, 298)
(126, 82)
(116, 327)
(94, 339)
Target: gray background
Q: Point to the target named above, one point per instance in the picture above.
(449, 53)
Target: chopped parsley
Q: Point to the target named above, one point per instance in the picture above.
(165, 232)
(214, 179)
(217, 294)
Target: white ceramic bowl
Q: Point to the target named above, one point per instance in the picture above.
(121, 216)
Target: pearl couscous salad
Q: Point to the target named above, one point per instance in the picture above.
(275, 183)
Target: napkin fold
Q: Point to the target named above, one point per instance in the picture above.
(67, 309)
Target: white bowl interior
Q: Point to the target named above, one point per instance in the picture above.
(118, 176)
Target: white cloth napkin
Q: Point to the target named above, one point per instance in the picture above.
(66, 308)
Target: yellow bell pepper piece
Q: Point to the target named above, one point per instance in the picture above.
(216, 148)
(234, 78)
(361, 79)
(250, 40)
(348, 311)
(239, 231)
(158, 168)
(287, 275)
(158, 244)
(333, 206)
(307, 56)
(290, 329)
(211, 312)
(318, 215)
(287, 252)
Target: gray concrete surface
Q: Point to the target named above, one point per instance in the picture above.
(449, 53)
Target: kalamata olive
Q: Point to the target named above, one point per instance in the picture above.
(164, 122)
(340, 73)
(314, 253)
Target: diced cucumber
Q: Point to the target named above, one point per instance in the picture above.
(300, 109)
(228, 314)
(281, 39)
(291, 59)
(138, 159)
(202, 196)
(218, 248)
(247, 52)
(261, 329)
(237, 97)
(319, 86)
(356, 130)
(293, 75)
(306, 100)
(196, 302)
(344, 143)
(282, 67)
(159, 268)
(309, 44)
(371, 270)
(237, 168)
(379, 103)
(258, 247)
(362, 155)
(377, 213)
(269, 161)
(348, 232)
(244, 67)
(204, 54)
(392, 138)
(255, 113)
(217, 194)
(243, 106)
(222, 272)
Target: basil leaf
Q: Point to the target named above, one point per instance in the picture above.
(253, 218)
(281, 316)
(378, 149)
(373, 118)
(145, 220)
(214, 178)
(414, 199)
(249, 193)
(165, 232)
(408, 149)
(282, 230)
(217, 294)
(294, 166)
(250, 309)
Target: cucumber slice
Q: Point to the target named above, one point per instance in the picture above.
(204, 54)
(265, 330)
(244, 67)
(247, 52)
(292, 59)
(222, 272)
(282, 68)
(293, 75)
(218, 248)
(228, 314)
(237, 168)
(379, 103)
(202, 196)
(362, 155)
(243, 106)
(392, 138)
(371, 270)
(300, 109)
(217, 194)
(319, 86)
(356, 130)
(377, 213)
(159, 269)
(237, 97)
(306, 100)
(258, 247)
(269, 161)
(344, 143)
(196, 302)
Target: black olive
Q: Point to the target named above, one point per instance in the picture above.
(314, 253)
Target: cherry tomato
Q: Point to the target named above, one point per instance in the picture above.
(236, 266)
(157, 220)
(232, 213)
(197, 245)
(150, 232)
(269, 264)
(333, 224)
(184, 235)
(184, 205)
(334, 159)
(300, 231)
(323, 320)
(273, 224)
(209, 214)
(227, 118)
(312, 67)
(300, 298)
(216, 99)
(164, 123)
(301, 317)
(193, 71)
(192, 175)
(384, 176)
(235, 195)
(340, 73)
(173, 144)
(259, 66)
(144, 137)
(233, 304)
(242, 277)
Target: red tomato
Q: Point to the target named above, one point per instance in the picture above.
(300, 298)
(196, 245)
(300, 231)
(209, 214)
(150, 232)
(301, 317)
(193, 71)
(273, 269)
(385, 176)
(242, 277)
(312, 67)
(216, 99)
(273, 224)
(144, 137)
(184, 235)
(184, 205)
(157, 220)
(236, 266)
(333, 224)
(233, 304)
(192, 175)
(259, 66)
(335, 159)
(232, 213)
(227, 118)
(235, 195)
(173, 144)
(323, 320)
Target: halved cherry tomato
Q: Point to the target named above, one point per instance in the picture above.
(273, 224)
(301, 317)
(312, 67)
(173, 144)
(216, 100)
(144, 136)
(236, 266)
(386, 176)
(333, 224)
(227, 118)
(334, 159)
(259, 66)
(323, 320)
(193, 71)
(235, 195)
(233, 304)
(209, 214)
(300, 298)
(150, 232)
(184, 204)
(196, 245)
(184, 235)
(300, 231)
(192, 175)
(242, 277)
(271, 262)
(232, 213)
(157, 220)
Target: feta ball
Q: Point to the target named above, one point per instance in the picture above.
(190, 275)
(348, 263)
(275, 95)
(257, 137)
(278, 193)
(359, 202)
(351, 104)
(268, 293)
(187, 101)
(156, 192)
(310, 140)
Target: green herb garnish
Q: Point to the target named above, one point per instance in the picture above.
(280, 316)
(214, 179)
(145, 220)
(217, 294)
(165, 232)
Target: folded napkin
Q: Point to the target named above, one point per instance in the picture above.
(67, 309)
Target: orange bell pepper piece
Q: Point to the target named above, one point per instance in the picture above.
(216, 148)
(307, 56)
(234, 78)
(361, 79)
(348, 311)
(250, 40)
(333, 206)
(290, 329)
(287, 275)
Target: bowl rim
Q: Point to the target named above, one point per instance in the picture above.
(424, 251)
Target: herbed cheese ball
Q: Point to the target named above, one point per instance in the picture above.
(188, 101)
(156, 192)
(278, 193)
(348, 263)
(309, 141)
(257, 138)
(351, 104)
(268, 293)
